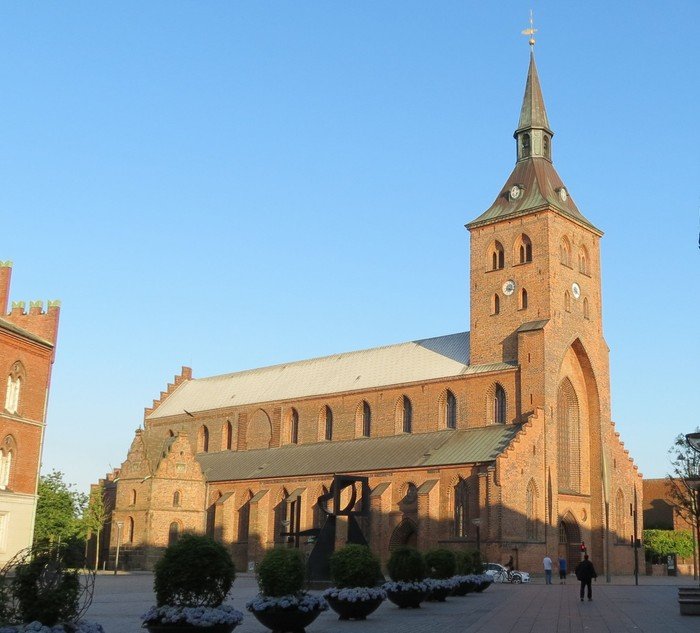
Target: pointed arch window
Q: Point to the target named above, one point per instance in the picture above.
(495, 304)
(173, 533)
(499, 405)
(568, 438)
(366, 419)
(227, 434)
(8, 452)
(294, 426)
(545, 147)
(176, 499)
(526, 148)
(203, 439)
(523, 299)
(450, 410)
(498, 258)
(132, 500)
(523, 249)
(129, 532)
(583, 261)
(565, 252)
(586, 312)
(328, 423)
(14, 386)
(461, 509)
(567, 301)
(405, 414)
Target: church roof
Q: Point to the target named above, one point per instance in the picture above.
(439, 448)
(414, 361)
(533, 114)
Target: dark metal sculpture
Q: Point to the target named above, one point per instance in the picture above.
(324, 537)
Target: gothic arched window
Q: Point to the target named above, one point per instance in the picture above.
(523, 299)
(568, 438)
(176, 499)
(328, 423)
(450, 410)
(565, 252)
(294, 426)
(227, 435)
(567, 301)
(497, 256)
(586, 313)
(545, 146)
(461, 509)
(495, 304)
(497, 404)
(366, 419)
(173, 533)
(523, 249)
(406, 415)
(203, 439)
(14, 385)
(8, 452)
(527, 150)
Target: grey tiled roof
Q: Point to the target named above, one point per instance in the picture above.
(415, 361)
(439, 448)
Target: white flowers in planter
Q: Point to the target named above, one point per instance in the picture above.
(355, 594)
(419, 585)
(437, 584)
(38, 627)
(196, 616)
(304, 602)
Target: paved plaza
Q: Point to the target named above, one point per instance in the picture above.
(617, 607)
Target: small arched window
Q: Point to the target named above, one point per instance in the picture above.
(14, 385)
(203, 439)
(583, 261)
(176, 499)
(526, 149)
(328, 423)
(499, 405)
(129, 535)
(545, 146)
(366, 419)
(495, 304)
(450, 410)
(294, 426)
(523, 299)
(406, 411)
(227, 436)
(567, 301)
(565, 252)
(133, 498)
(586, 313)
(461, 509)
(498, 258)
(523, 249)
(173, 533)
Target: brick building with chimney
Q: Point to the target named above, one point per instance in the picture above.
(499, 437)
(27, 351)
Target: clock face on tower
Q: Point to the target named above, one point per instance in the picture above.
(514, 192)
(509, 288)
(575, 290)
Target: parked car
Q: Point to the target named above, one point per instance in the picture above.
(499, 573)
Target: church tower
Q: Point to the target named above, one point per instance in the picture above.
(536, 303)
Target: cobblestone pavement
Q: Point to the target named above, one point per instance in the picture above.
(619, 607)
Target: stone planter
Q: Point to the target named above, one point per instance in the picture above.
(409, 599)
(358, 610)
(439, 594)
(286, 620)
(463, 588)
(689, 600)
(483, 585)
(189, 628)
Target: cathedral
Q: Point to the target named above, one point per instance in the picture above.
(499, 438)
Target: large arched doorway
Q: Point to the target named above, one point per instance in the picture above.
(570, 541)
(405, 533)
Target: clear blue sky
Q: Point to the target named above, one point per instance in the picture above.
(230, 185)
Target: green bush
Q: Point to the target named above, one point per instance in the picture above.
(355, 566)
(441, 563)
(660, 543)
(46, 591)
(469, 562)
(281, 572)
(406, 564)
(194, 572)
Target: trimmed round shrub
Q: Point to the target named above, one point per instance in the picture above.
(194, 572)
(469, 562)
(406, 564)
(355, 566)
(441, 563)
(281, 572)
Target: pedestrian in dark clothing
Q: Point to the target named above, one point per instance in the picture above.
(562, 570)
(585, 572)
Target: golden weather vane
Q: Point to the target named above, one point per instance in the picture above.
(531, 31)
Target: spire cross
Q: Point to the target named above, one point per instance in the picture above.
(531, 31)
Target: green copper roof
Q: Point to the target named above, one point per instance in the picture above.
(533, 113)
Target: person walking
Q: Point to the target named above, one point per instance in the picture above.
(562, 570)
(585, 572)
(547, 563)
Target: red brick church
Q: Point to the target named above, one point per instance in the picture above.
(499, 437)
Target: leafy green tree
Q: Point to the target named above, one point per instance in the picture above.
(659, 543)
(94, 517)
(58, 510)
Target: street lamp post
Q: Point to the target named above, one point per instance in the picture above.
(119, 540)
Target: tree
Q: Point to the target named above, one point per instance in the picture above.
(94, 517)
(58, 509)
(685, 477)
